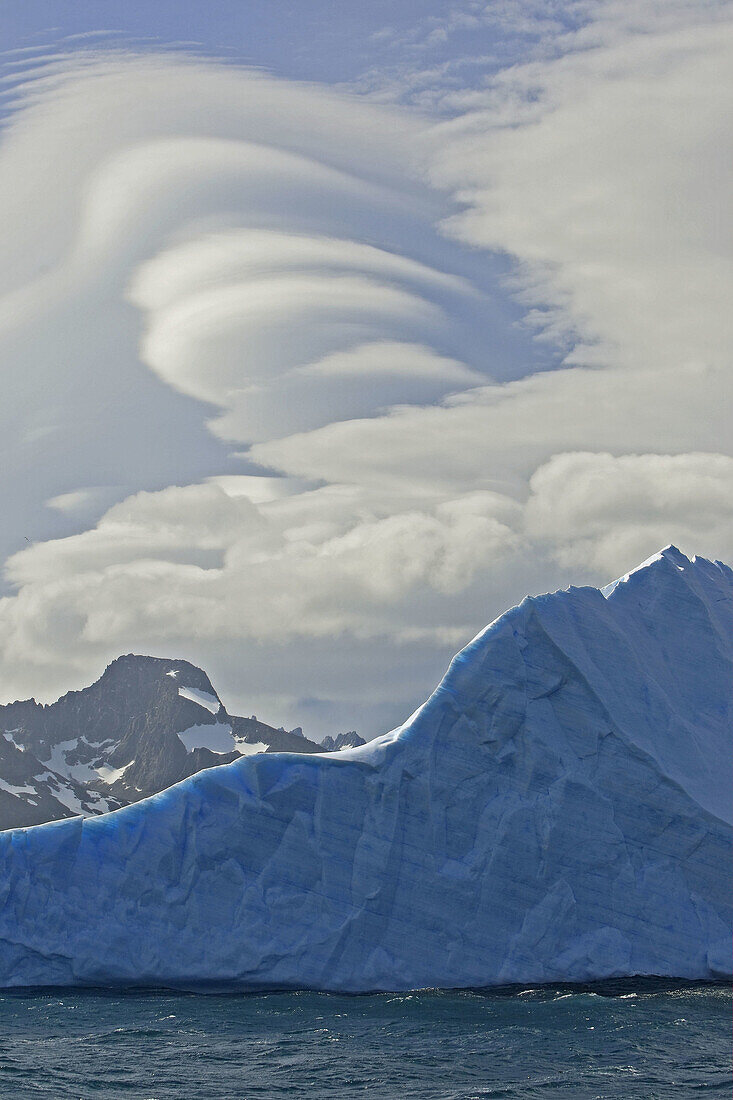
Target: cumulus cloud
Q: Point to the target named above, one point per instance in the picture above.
(599, 509)
(237, 259)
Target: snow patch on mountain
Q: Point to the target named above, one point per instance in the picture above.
(11, 789)
(203, 698)
(111, 775)
(249, 748)
(216, 738)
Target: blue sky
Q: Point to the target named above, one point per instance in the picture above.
(329, 331)
(311, 40)
(329, 42)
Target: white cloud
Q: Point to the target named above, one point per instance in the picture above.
(78, 500)
(500, 434)
(359, 380)
(261, 323)
(392, 359)
(218, 341)
(244, 255)
(597, 510)
(603, 171)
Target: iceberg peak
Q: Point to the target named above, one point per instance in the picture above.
(669, 553)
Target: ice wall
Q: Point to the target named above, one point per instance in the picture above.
(559, 809)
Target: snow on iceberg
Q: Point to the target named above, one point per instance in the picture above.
(559, 809)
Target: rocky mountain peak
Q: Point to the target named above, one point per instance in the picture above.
(146, 723)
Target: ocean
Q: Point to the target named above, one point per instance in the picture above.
(647, 1040)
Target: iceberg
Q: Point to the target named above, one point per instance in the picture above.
(558, 810)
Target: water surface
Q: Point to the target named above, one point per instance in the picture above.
(650, 1041)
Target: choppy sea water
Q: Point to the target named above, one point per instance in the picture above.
(648, 1040)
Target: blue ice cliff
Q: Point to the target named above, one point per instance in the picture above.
(558, 810)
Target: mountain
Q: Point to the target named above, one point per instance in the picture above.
(147, 723)
(558, 810)
(350, 740)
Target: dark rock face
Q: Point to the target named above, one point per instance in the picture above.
(147, 723)
(350, 740)
(251, 731)
(31, 792)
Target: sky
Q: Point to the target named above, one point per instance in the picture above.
(330, 331)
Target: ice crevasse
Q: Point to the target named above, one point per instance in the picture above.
(558, 810)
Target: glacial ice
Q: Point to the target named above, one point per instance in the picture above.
(558, 810)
